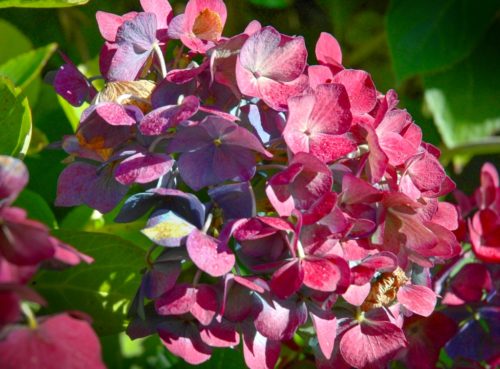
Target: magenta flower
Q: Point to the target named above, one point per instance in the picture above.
(484, 227)
(61, 339)
(318, 121)
(270, 67)
(305, 185)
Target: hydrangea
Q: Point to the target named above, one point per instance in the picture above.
(287, 198)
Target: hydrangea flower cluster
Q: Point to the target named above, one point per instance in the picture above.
(26, 245)
(287, 199)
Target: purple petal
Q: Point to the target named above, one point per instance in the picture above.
(135, 39)
(159, 120)
(143, 168)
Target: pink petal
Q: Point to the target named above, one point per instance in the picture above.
(177, 301)
(328, 50)
(109, 23)
(183, 340)
(418, 299)
(276, 94)
(160, 8)
(319, 75)
(325, 325)
(206, 304)
(471, 281)
(287, 280)
(222, 334)
(446, 216)
(360, 89)
(279, 320)
(260, 352)
(356, 295)
(325, 274)
(372, 344)
(209, 254)
(60, 341)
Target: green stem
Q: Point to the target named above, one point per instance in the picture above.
(30, 317)
(150, 262)
(487, 145)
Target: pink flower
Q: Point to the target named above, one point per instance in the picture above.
(201, 25)
(318, 121)
(270, 67)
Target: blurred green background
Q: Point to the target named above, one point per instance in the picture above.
(442, 57)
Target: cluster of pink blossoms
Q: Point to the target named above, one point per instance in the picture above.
(287, 199)
(25, 246)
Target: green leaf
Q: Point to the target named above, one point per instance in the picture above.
(14, 42)
(430, 35)
(15, 119)
(103, 289)
(36, 207)
(464, 99)
(274, 4)
(41, 3)
(73, 113)
(24, 68)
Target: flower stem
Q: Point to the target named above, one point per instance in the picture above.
(208, 222)
(25, 308)
(149, 262)
(161, 59)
